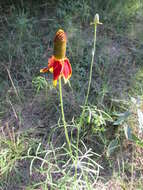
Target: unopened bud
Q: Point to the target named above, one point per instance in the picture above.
(96, 19)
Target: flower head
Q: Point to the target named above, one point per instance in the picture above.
(59, 64)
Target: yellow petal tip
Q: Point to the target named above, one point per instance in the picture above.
(54, 83)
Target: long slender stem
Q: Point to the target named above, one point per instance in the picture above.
(63, 116)
(89, 82)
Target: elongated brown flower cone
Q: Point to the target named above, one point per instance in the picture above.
(60, 41)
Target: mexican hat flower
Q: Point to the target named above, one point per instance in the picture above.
(59, 64)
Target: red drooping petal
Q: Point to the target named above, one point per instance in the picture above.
(67, 70)
(57, 68)
(61, 67)
(50, 65)
(44, 70)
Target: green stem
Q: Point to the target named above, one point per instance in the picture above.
(63, 116)
(89, 82)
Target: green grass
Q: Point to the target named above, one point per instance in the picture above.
(33, 151)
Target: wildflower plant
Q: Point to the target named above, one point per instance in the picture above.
(60, 66)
